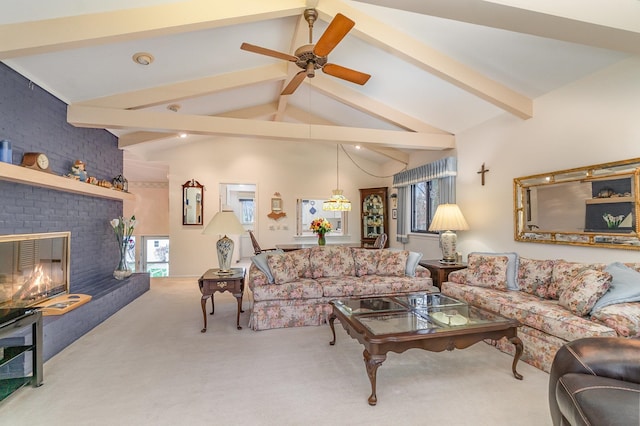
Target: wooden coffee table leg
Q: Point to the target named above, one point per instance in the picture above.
(372, 362)
(519, 348)
(332, 318)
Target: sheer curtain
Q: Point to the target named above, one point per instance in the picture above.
(442, 173)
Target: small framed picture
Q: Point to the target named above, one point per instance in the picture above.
(394, 213)
(276, 204)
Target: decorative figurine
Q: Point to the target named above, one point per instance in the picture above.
(78, 171)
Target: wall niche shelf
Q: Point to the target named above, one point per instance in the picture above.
(18, 174)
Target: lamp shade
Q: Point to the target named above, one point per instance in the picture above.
(337, 202)
(448, 217)
(223, 223)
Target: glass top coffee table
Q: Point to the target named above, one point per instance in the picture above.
(429, 321)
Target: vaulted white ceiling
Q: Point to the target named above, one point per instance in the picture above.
(438, 67)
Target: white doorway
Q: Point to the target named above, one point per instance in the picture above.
(242, 199)
(155, 256)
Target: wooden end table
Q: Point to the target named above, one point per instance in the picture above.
(212, 282)
(440, 271)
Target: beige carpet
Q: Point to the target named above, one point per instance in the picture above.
(150, 365)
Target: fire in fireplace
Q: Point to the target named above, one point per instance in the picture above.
(33, 268)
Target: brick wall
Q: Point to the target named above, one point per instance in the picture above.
(34, 120)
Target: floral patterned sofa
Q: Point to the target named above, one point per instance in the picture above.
(555, 301)
(294, 288)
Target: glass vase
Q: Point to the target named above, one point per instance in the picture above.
(321, 239)
(122, 271)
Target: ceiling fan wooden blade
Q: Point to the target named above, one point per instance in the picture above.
(335, 32)
(294, 83)
(268, 52)
(346, 73)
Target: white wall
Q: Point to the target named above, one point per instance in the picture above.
(294, 169)
(591, 121)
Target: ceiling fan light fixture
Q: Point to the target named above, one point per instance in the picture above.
(311, 69)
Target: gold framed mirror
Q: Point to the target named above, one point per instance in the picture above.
(192, 203)
(594, 206)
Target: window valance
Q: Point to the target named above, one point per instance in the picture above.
(445, 167)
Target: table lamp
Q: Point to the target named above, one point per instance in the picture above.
(448, 218)
(223, 223)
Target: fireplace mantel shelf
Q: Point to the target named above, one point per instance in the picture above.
(26, 176)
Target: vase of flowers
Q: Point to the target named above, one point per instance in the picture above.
(320, 226)
(613, 221)
(123, 229)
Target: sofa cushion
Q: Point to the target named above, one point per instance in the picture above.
(282, 268)
(303, 288)
(534, 276)
(302, 262)
(366, 261)
(624, 318)
(395, 285)
(512, 267)
(487, 271)
(563, 274)
(584, 291)
(392, 263)
(345, 287)
(625, 286)
(548, 316)
(328, 261)
(484, 298)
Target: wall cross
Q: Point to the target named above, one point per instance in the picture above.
(482, 172)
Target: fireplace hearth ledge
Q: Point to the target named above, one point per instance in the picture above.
(108, 296)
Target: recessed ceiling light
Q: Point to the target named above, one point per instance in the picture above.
(358, 147)
(182, 135)
(174, 107)
(143, 58)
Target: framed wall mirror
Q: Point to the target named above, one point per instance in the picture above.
(192, 203)
(595, 206)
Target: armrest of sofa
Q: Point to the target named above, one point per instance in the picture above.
(459, 276)
(256, 277)
(613, 357)
(422, 272)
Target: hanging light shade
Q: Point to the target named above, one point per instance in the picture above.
(337, 202)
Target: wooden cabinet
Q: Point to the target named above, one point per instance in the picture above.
(374, 213)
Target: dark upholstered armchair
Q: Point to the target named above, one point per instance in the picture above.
(596, 381)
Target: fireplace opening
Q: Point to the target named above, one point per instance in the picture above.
(33, 268)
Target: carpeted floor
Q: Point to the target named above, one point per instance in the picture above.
(150, 365)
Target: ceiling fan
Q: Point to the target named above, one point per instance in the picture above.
(311, 57)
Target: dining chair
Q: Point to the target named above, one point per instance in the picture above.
(256, 247)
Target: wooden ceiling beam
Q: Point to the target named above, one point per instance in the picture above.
(71, 32)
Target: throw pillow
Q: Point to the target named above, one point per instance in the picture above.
(392, 263)
(282, 268)
(625, 286)
(584, 291)
(260, 260)
(512, 267)
(366, 261)
(412, 262)
(534, 276)
(563, 274)
(487, 271)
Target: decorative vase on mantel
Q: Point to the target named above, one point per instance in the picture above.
(321, 239)
(122, 271)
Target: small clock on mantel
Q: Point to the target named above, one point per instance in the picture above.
(36, 161)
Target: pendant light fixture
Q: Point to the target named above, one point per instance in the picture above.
(337, 202)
